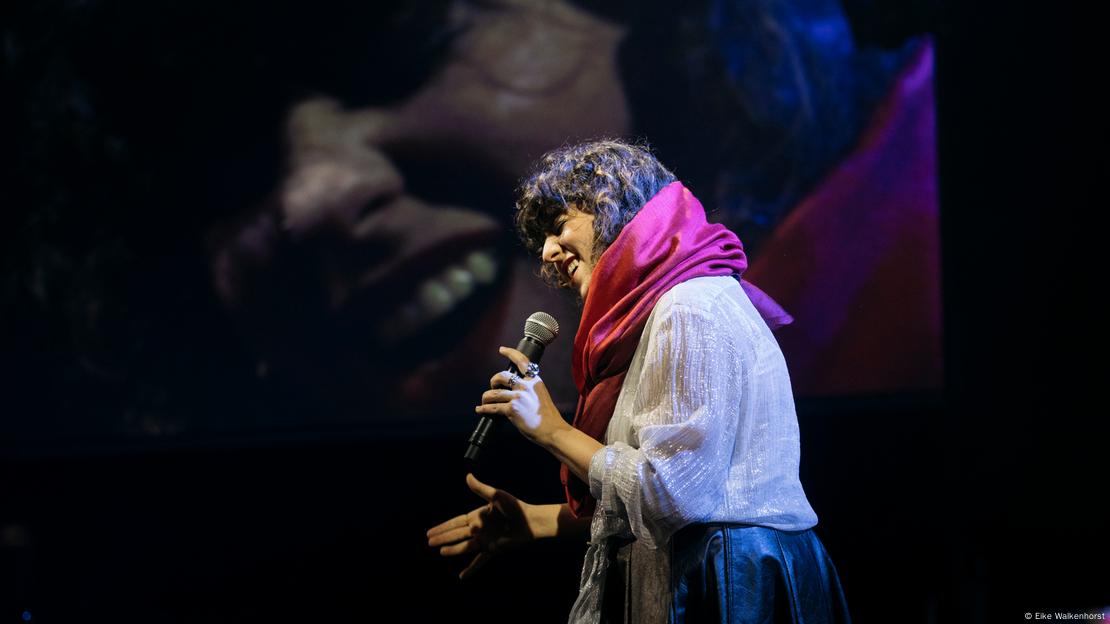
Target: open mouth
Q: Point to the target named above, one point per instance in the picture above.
(435, 297)
(422, 304)
(570, 267)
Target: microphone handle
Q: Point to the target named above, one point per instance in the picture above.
(483, 433)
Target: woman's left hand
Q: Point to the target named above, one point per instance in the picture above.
(526, 403)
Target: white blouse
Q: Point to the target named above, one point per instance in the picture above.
(704, 430)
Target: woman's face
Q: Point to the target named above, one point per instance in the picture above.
(569, 249)
(384, 273)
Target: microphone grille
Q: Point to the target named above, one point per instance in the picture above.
(541, 327)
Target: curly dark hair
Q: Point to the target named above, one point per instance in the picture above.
(607, 178)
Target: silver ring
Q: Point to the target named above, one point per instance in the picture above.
(513, 379)
(532, 370)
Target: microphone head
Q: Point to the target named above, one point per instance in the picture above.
(541, 327)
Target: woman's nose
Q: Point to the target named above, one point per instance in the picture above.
(338, 172)
(551, 249)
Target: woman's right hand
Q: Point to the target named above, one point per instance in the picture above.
(504, 522)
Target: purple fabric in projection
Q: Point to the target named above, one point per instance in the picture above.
(856, 262)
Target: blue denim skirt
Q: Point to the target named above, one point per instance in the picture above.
(725, 573)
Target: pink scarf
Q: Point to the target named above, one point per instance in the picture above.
(668, 242)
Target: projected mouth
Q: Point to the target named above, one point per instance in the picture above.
(436, 281)
(415, 293)
(437, 296)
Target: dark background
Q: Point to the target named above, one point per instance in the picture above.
(980, 505)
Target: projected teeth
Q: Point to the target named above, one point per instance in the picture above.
(435, 298)
(438, 295)
(459, 281)
(482, 265)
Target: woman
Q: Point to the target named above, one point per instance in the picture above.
(695, 508)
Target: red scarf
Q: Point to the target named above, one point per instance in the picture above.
(668, 242)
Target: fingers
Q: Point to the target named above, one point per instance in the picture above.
(504, 409)
(479, 488)
(443, 527)
(474, 516)
(475, 565)
(462, 534)
(457, 535)
(501, 379)
(461, 548)
(498, 396)
(450, 537)
(518, 359)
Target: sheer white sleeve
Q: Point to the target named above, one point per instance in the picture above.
(683, 417)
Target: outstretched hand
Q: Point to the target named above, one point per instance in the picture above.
(492, 528)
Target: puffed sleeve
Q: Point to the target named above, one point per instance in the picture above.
(684, 416)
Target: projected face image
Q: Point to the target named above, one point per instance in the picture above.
(383, 274)
(340, 185)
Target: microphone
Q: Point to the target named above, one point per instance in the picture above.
(539, 330)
